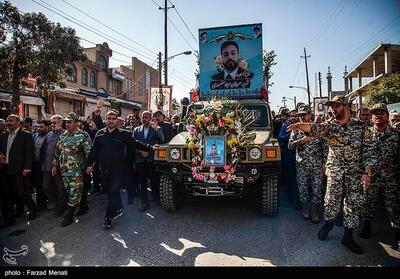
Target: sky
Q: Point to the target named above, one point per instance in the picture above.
(336, 34)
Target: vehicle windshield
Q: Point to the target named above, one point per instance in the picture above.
(260, 116)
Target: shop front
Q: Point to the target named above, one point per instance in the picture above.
(125, 107)
(31, 106)
(64, 101)
(92, 98)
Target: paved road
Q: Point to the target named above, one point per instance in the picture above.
(212, 232)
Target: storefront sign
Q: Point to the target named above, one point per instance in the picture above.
(118, 75)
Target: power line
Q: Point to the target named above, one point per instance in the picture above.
(176, 9)
(156, 4)
(181, 34)
(112, 29)
(364, 44)
(343, 21)
(326, 24)
(83, 26)
(297, 71)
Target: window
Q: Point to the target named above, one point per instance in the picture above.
(117, 88)
(92, 79)
(102, 62)
(84, 76)
(72, 73)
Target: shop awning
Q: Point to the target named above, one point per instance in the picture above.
(70, 95)
(128, 104)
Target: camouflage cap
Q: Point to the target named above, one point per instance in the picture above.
(303, 109)
(379, 107)
(337, 100)
(72, 116)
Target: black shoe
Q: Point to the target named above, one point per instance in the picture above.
(118, 214)
(144, 208)
(366, 230)
(69, 217)
(107, 223)
(324, 231)
(350, 243)
(82, 210)
(352, 246)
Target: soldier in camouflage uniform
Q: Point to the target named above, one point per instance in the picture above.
(385, 175)
(395, 120)
(349, 156)
(72, 151)
(308, 167)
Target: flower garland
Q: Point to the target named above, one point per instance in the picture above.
(220, 117)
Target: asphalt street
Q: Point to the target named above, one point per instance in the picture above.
(206, 232)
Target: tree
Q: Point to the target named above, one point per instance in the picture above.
(32, 45)
(387, 91)
(268, 62)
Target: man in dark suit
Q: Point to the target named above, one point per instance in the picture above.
(16, 147)
(149, 132)
(108, 150)
(230, 59)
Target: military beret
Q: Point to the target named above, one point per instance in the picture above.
(337, 100)
(379, 107)
(72, 116)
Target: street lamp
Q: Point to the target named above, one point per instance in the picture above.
(160, 66)
(166, 65)
(305, 89)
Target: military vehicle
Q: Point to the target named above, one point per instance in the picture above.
(258, 168)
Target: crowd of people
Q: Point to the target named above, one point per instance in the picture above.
(337, 164)
(349, 159)
(63, 159)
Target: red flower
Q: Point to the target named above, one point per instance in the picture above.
(192, 115)
(194, 164)
(221, 123)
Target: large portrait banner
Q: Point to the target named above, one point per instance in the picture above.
(231, 62)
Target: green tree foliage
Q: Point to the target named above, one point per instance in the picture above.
(30, 44)
(387, 91)
(268, 62)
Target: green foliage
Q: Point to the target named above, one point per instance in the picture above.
(32, 45)
(268, 62)
(387, 91)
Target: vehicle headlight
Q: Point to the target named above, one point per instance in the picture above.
(255, 153)
(175, 154)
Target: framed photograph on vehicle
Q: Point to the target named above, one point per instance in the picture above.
(215, 151)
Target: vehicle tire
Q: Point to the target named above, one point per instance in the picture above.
(171, 197)
(269, 195)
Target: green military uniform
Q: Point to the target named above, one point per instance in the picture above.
(347, 156)
(385, 175)
(309, 158)
(72, 152)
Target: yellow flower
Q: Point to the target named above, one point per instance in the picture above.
(232, 141)
(228, 120)
(191, 144)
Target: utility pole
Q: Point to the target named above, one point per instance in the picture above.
(320, 83)
(284, 101)
(308, 81)
(166, 8)
(160, 94)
